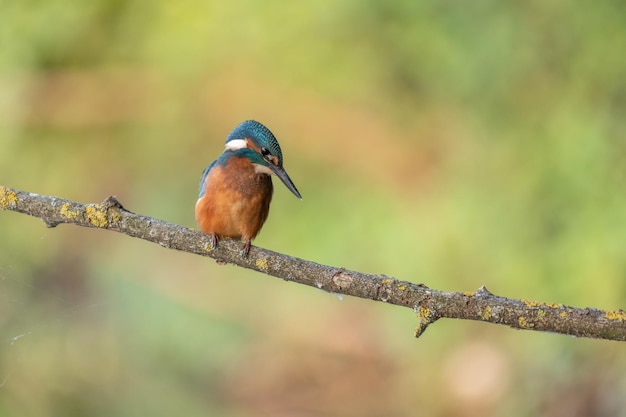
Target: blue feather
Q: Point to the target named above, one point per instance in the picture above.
(204, 176)
(258, 133)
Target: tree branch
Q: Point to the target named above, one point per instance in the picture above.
(428, 304)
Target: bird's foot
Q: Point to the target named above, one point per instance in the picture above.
(213, 242)
(246, 249)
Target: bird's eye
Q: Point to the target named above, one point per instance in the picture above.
(265, 151)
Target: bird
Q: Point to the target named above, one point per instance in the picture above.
(236, 189)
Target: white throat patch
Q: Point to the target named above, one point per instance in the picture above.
(235, 144)
(262, 169)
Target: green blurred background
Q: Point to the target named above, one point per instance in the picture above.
(457, 144)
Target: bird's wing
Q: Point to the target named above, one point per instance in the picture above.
(204, 176)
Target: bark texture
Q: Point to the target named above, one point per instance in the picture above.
(428, 304)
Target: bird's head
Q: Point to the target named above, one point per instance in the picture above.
(256, 142)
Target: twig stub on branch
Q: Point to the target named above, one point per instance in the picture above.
(428, 304)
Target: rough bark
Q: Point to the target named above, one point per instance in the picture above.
(428, 304)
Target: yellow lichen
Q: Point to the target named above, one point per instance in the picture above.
(96, 215)
(541, 314)
(523, 323)
(425, 313)
(424, 318)
(7, 197)
(68, 213)
(262, 264)
(468, 294)
(418, 330)
(562, 314)
(486, 314)
(387, 281)
(619, 315)
(402, 287)
(530, 303)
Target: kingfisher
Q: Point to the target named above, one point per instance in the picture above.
(236, 189)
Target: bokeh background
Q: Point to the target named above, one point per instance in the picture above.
(457, 144)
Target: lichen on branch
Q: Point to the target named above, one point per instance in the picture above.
(429, 305)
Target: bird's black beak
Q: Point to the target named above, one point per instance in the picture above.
(282, 174)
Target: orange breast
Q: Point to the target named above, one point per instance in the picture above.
(236, 200)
